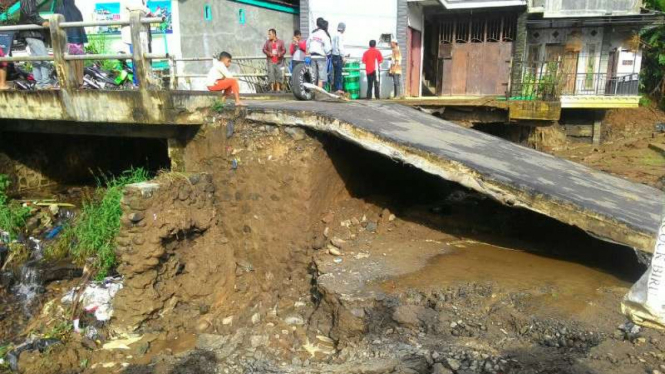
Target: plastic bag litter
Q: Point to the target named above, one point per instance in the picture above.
(645, 302)
(97, 297)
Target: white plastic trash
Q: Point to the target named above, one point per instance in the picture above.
(97, 298)
(645, 303)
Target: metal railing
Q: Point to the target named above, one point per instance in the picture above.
(550, 80)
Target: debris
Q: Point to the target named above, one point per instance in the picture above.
(122, 343)
(337, 242)
(53, 233)
(294, 319)
(97, 297)
(295, 133)
(31, 345)
(234, 164)
(337, 260)
(334, 251)
(227, 320)
(230, 128)
(660, 127)
(391, 218)
(371, 227)
(256, 318)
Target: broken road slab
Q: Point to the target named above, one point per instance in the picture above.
(607, 207)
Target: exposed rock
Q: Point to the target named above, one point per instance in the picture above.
(438, 368)
(295, 133)
(407, 315)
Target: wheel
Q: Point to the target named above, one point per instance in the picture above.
(302, 73)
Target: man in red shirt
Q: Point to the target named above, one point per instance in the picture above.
(371, 58)
(274, 50)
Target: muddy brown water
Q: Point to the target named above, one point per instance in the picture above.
(569, 288)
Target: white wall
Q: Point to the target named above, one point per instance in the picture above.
(365, 20)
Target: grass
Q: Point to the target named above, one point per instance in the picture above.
(94, 232)
(13, 216)
(218, 106)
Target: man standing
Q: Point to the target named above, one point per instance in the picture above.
(274, 51)
(35, 40)
(371, 58)
(338, 55)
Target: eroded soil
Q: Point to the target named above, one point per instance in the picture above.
(290, 252)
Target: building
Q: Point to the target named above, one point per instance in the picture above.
(193, 30)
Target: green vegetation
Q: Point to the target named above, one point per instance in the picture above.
(99, 45)
(653, 62)
(94, 232)
(218, 106)
(13, 215)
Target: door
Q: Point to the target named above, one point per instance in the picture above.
(414, 45)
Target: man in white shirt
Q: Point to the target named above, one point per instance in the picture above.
(220, 79)
(338, 54)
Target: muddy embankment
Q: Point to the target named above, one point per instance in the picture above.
(282, 250)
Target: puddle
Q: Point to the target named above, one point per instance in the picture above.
(569, 286)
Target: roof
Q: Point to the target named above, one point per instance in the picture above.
(473, 4)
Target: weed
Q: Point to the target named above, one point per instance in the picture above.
(13, 215)
(218, 106)
(94, 233)
(645, 101)
(59, 331)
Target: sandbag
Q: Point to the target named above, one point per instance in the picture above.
(645, 302)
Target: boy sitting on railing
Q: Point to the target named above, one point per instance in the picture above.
(221, 79)
(3, 72)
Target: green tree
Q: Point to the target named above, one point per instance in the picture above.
(653, 63)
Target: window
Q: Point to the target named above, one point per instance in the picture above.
(590, 67)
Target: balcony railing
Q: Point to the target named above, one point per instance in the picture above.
(550, 80)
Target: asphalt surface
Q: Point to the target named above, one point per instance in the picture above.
(594, 193)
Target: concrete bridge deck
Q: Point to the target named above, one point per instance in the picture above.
(607, 207)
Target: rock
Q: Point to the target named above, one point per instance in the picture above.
(256, 318)
(227, 320)
(244, 265)
(438, 368)
(337, 242)
(453, 364)
(295, 133)
(319, 242)
(407, 315)
(136, 217)
(294, 319)
(371, 227)
(211, 341)
(258, 340)
(202, 326)
(391, 218)
(328, 218)
(334, 251)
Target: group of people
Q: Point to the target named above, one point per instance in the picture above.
(323, 50)
(76, 39)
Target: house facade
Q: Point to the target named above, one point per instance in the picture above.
(583, 53)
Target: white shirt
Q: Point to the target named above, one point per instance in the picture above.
(217, 72)
(125, 7)
(338, 44)
(319, 43)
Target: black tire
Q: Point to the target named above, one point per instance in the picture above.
(303, 74)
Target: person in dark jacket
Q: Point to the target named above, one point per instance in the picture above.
(35, 40)
(76, 36)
